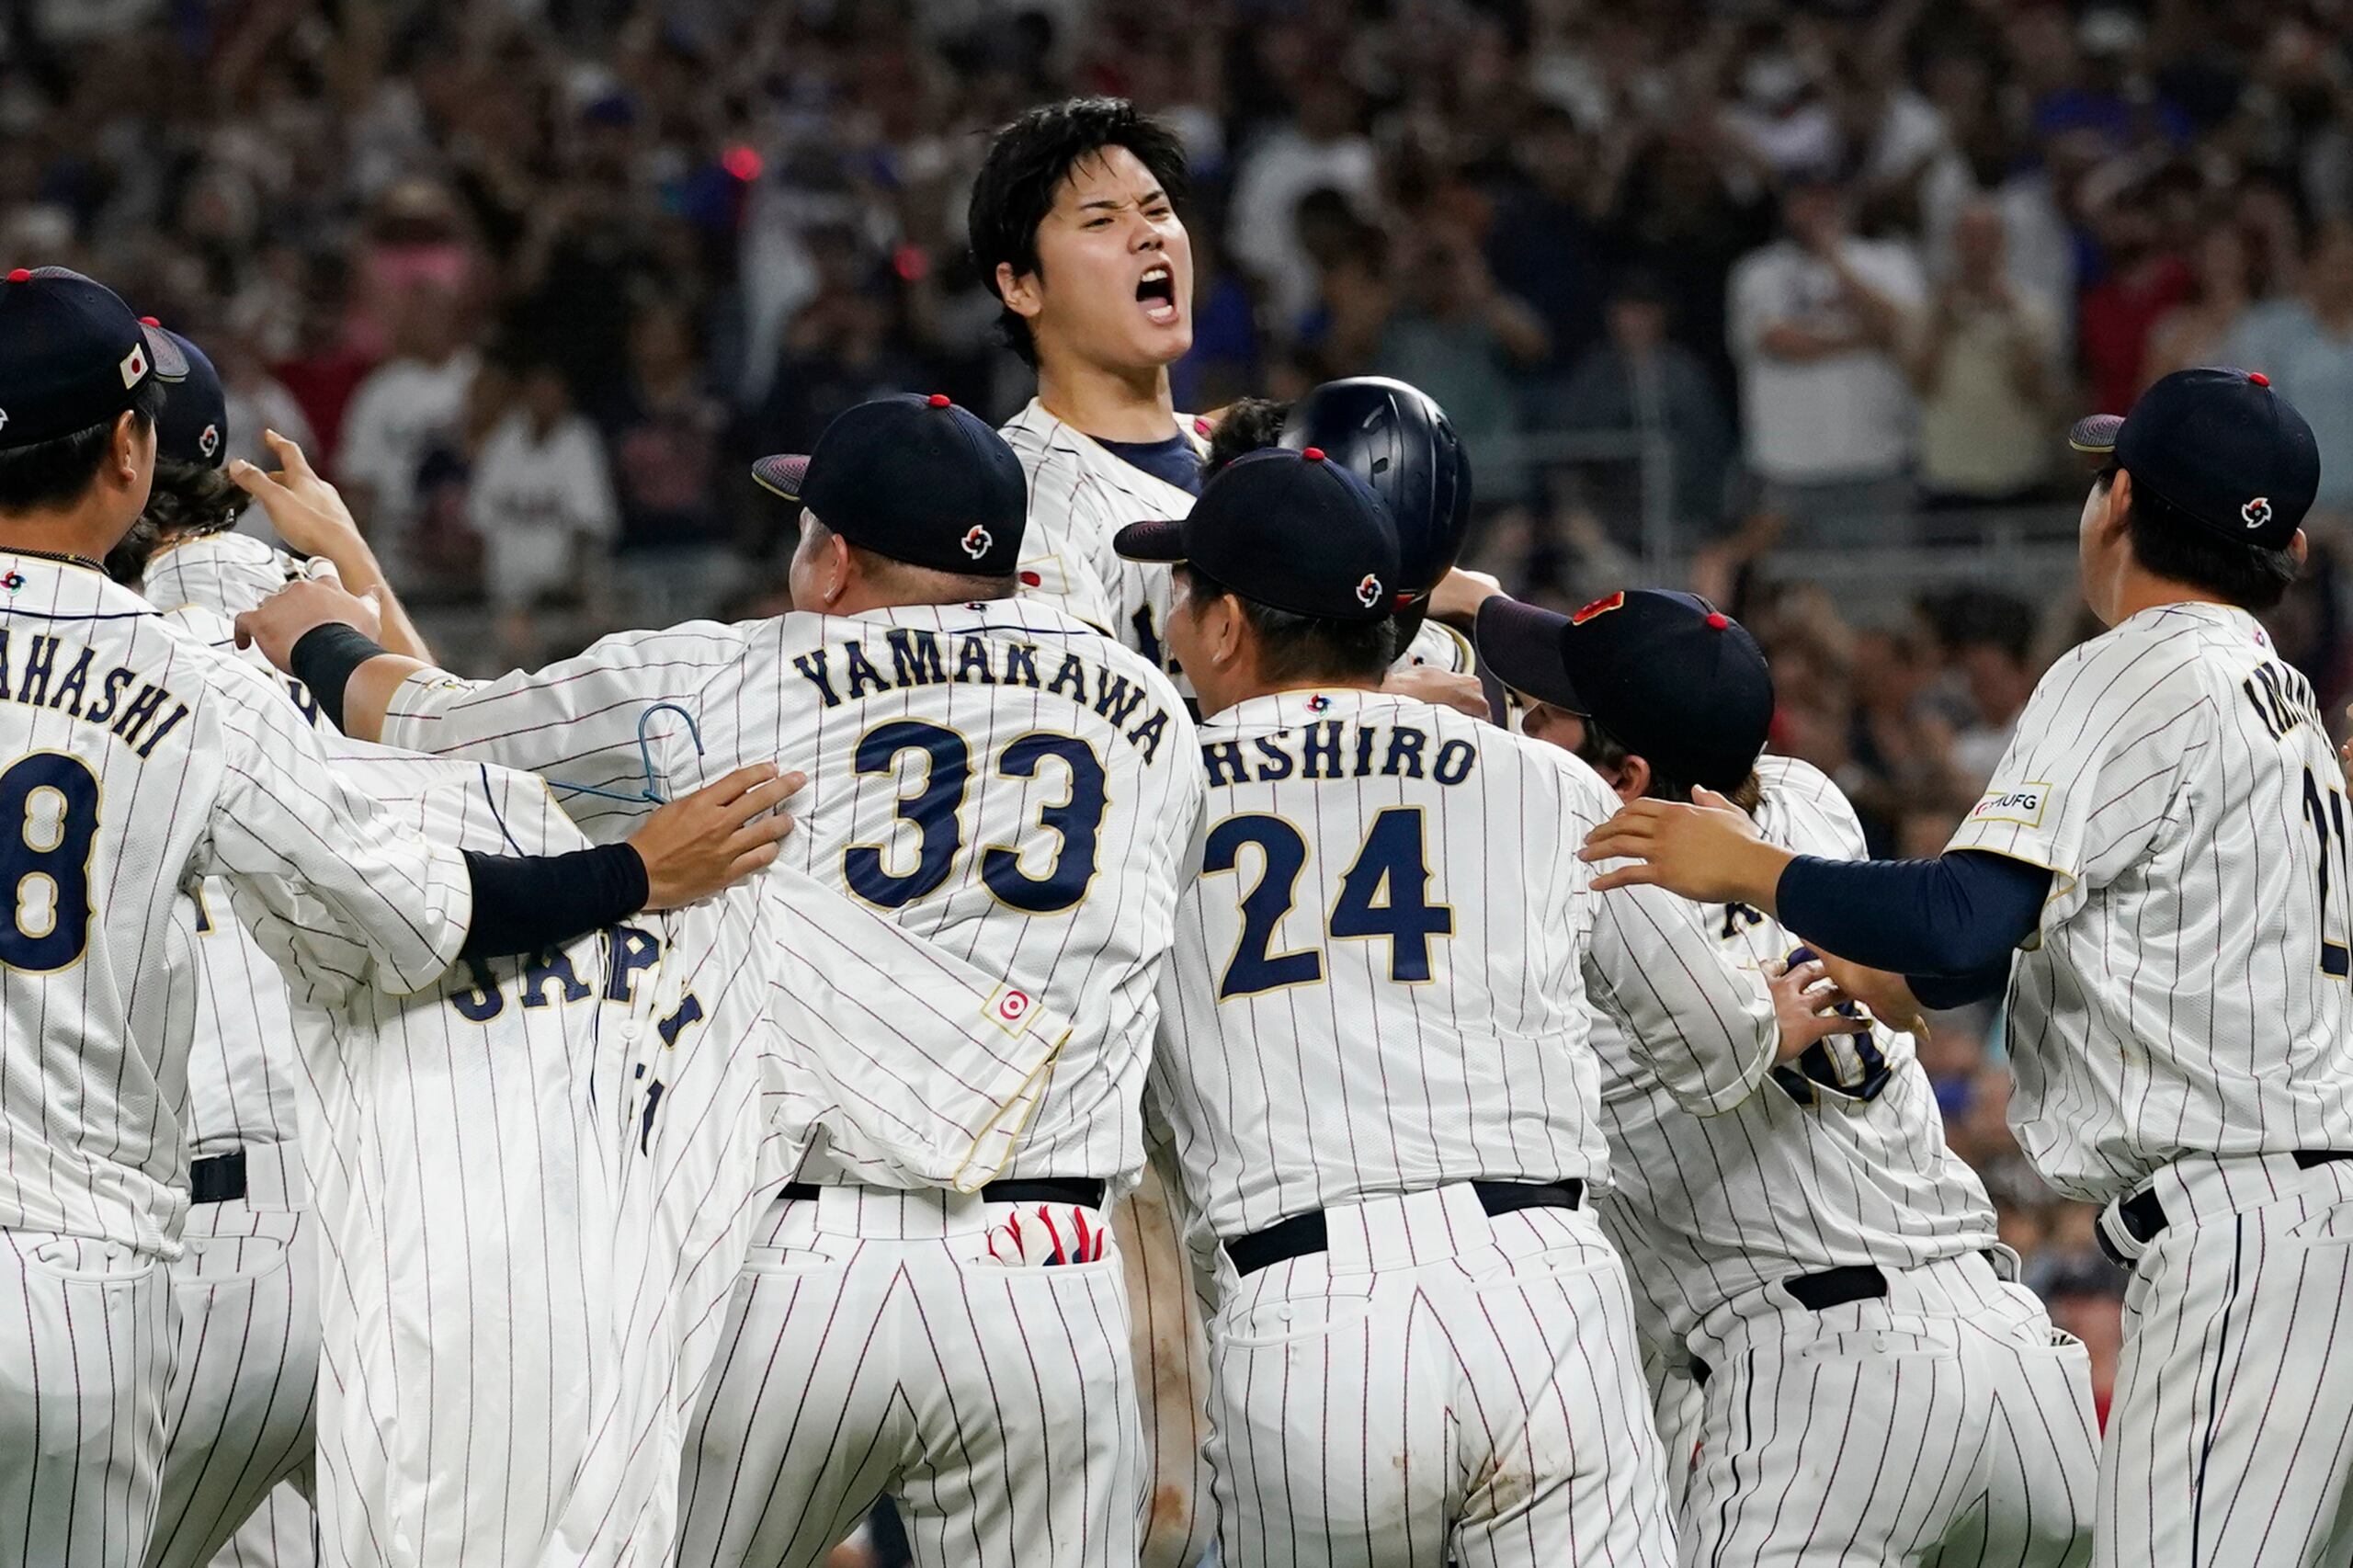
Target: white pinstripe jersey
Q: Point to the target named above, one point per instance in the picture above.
(1081, 493)
(242, 1065)
(1380, 975)
(2187, 990)
(572, 1150)
(1838, 1158)
(141, 760)
(999, 778)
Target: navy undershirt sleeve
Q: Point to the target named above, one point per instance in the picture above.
(529, 903)
(1959, 914)
(1940, 992)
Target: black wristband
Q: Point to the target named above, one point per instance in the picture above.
(324, 658)
(527, 904)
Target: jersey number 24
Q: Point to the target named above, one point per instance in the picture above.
(1385, 893)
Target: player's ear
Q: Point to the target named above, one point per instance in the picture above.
(1633, 780)
(134, 443)
(1018, 290)
(2299, 546)
(2119, 504)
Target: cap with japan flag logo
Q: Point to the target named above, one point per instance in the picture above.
(72, 356)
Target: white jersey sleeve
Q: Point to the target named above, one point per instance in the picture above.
(2094, 765)
(226, 572)
(1435, 645)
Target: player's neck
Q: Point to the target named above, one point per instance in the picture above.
(1109, 404)
(86, 531)
(2137, 590)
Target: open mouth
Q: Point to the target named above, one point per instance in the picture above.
(1156, 291)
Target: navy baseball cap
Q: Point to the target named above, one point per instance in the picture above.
(1292, 530)
(2220, 447)
(72, 355)
(1398, 440)
(915, 479)
(1673, 679)
(195, 424)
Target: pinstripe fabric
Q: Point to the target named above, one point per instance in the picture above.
(85, 1346)
(872, 1346)
(1947, 1424)
(2230, 1441)
(1703, 1206)
(2178, 778)
(1438, 1388)
(281, 1533)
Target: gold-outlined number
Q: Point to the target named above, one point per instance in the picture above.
(937, 809)
(1384, 892)
(2327, 817)
(49, 818)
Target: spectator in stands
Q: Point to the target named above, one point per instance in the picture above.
(2305, 343)
(1990, 638)
(542, 504)
(1321, 149)
(1819, 319)
(1546, 244)
(2199, 329)
(1459, 336)
(662, 426)
(1643, 385)
(1986, 368)
(407, 417)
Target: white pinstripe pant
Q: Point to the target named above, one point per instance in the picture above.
(282, 1533)
(2230, 1442)
(245, 1379)
(85, 1350)
(872, 1348)
(1436, 1388)
(1946, 1424)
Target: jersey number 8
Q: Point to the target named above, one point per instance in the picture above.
(937, 809)
(49, 815)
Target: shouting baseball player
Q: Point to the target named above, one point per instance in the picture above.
(141, 760)
(1823, 1260)
(2164, 843)
(1006, 782)
(1375, 1067)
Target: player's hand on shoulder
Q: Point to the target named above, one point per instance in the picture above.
(1443, 687)
(278, 621)
(1709, 850)
(717, 836)
(1806, 1003)
(308, 513)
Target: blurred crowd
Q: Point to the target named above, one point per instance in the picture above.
(534, 279)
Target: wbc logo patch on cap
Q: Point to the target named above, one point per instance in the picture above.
(134, 365)
(1369, 591)
(977, 540)
(1599, 607)
(2257, 512)
(210, 441)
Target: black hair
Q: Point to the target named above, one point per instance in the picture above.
(1247, 424)
(190, 501)
(1306, 647)
(1600, 749)
(53, 474)
(2170, 544)
(1027, 161)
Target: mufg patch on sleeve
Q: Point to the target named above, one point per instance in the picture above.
(2022, 804)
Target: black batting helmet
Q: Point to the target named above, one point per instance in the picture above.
(1400, 442)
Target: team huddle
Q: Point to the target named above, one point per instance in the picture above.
(1149, 1020)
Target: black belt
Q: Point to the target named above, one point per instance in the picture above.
(1087, 1193)
(221, 1179)
(1304, 1233)
(2143, 1218)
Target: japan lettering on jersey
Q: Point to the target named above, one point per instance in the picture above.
(998, 779)
(1381, 976)
(1838, 1159)
(540, 1176)
(142, 760)
(2187, 990)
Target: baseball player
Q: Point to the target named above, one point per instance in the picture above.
(244, 1286)
(141, 760)
(1011, 786)
(1375, 1067)
(1815, 1252)
(2163, 845)
(539, 1180)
